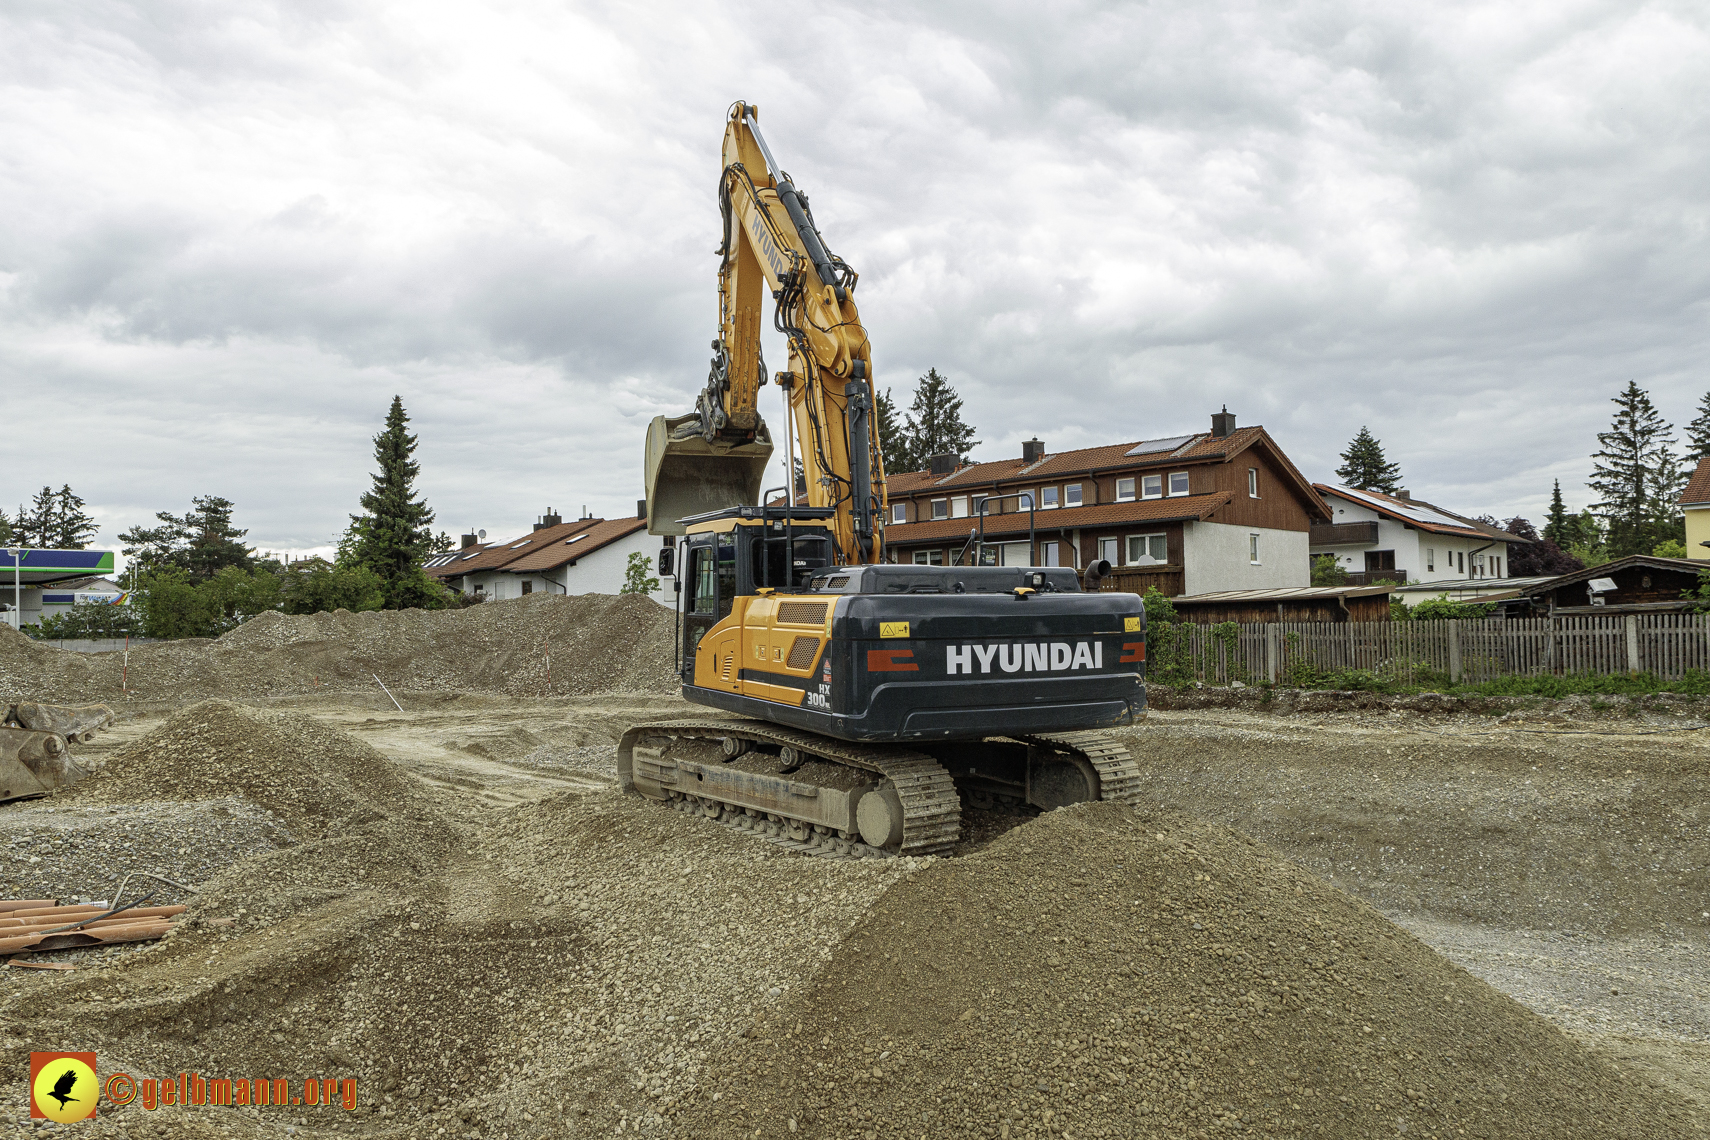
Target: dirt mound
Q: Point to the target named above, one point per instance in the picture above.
(540, 645)
(315, 780)
(1098, 973)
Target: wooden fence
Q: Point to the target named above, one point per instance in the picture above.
(1424, 651)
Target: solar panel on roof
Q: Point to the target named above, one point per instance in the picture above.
(1151, 446)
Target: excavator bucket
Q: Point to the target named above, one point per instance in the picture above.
(687, 475)
(35, 746)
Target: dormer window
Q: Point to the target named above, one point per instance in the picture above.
(1151, 486)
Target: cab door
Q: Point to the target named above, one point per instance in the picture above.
(710, 641)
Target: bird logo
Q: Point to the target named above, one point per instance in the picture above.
(63, 1086)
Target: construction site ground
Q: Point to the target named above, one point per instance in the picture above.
(1342, 924)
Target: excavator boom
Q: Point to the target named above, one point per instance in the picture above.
(715, 457)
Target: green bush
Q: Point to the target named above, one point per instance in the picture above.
(319, 587)
(1442, 609)
(89, 620)
(1326, 571)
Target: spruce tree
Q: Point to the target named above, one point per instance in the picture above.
(1634, 466)
(1698, 433)
(394, 535)
(1364, 467)
(1555, 530)
(72, 525)
(211, 542)
(934, 424)
(894, 449)
(5, 529)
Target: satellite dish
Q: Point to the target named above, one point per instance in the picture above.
(480, 534)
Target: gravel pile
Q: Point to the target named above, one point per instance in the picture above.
(539, 645)
(1099, 973)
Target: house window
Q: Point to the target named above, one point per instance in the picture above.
(1463, 560)
(1107, 550)
(929, 558)
(1072, 495)
(1151, 486)
(1178, 483)
(941, 508)
(1024, 500)
(1253, 549)
(1052, 552)
(1252, 482)
(1496, 566)
(1125, 490)
(979, 502)
(959, 507)
(1431, 558)
(1047, 501)
(528, 586)
(1147, 549)
(899, 512)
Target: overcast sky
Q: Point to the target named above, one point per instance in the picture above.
(230, 232)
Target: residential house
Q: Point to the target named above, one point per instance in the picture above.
(585, 556)
(1397, 538)
(1208, 511)
(1695, 502)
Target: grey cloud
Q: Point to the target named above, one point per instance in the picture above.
(246, 228)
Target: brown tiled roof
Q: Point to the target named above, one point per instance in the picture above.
(496, 555)
(1178, 509)
(1202, 447)
(454, 561)
(565, 550)
(1698, 487)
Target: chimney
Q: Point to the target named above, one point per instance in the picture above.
(943, 464)
(550, 518)
(1404, 494)
(468, 541)
(1032, 451)
(641, 508)
(1223, 423)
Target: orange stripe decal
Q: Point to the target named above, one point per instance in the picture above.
(1132, 651)
(889, 661)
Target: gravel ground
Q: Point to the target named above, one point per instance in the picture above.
(560, 960)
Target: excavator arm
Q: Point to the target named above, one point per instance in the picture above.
(716, 457)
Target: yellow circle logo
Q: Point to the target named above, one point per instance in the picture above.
(66, 1090)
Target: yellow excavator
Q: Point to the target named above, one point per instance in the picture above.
(871, 699)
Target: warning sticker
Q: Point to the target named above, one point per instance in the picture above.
(893, 629)
(1131, 625)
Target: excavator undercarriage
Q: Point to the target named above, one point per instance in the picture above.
(836, 799)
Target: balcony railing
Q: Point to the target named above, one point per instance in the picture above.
(1343, 534)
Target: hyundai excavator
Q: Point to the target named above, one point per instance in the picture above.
(863, 702)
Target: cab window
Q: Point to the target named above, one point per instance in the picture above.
(704, 577)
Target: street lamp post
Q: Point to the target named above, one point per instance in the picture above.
(17, 553)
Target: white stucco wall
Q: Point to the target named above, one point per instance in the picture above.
(1215, 557)
(601, 572)
(1411, 547)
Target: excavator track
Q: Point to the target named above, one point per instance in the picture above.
(927, 795)
(1118, 774)
(931, 809)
